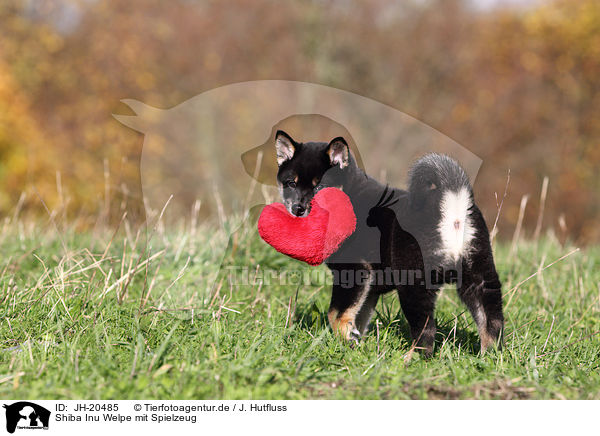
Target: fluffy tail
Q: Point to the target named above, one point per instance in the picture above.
(436, 172)
(441, 194)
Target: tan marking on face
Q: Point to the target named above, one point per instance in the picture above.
(315, 181)
(296, 179)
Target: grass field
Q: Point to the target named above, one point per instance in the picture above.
(100, 317)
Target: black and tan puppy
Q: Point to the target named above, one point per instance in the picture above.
(410, 241)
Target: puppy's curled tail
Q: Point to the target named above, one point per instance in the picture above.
(441, 198)
(434, 175)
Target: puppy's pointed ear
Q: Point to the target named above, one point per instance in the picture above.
(285, 146)
(338, 152)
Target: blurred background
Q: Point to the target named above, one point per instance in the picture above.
(516, 83)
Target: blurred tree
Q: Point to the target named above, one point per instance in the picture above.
(19, 138)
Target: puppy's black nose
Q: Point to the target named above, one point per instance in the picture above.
(298, 209)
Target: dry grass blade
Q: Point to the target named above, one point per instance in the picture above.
(494, 231)
(105, 253)
(374, 363)
(129, 275)
(180, 274)
(143, 253)
(540, 218)
(52, 220)
(549, 333)
(585, 338)
(517, 234)
(514, 288)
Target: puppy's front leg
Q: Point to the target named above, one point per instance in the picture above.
(346, 303)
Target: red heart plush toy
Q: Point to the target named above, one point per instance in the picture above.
(314, 238)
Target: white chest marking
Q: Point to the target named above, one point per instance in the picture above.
(455, 227)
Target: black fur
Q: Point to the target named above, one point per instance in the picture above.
(397, 244)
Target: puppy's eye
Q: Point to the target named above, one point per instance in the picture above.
(291, 184)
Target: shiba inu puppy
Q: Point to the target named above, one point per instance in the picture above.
(410, 241)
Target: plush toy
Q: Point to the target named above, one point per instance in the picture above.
(314, 238)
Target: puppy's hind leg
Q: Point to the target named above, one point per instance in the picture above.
(481, 289)
(482, 294)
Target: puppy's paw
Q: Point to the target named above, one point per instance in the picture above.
(346, 329)
(354, 338)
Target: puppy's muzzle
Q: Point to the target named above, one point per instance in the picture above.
(298, 209)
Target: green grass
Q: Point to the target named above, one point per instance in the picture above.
(72, 325)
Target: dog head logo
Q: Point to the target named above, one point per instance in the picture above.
(26, 415)
(210, 147)
(215, 153)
